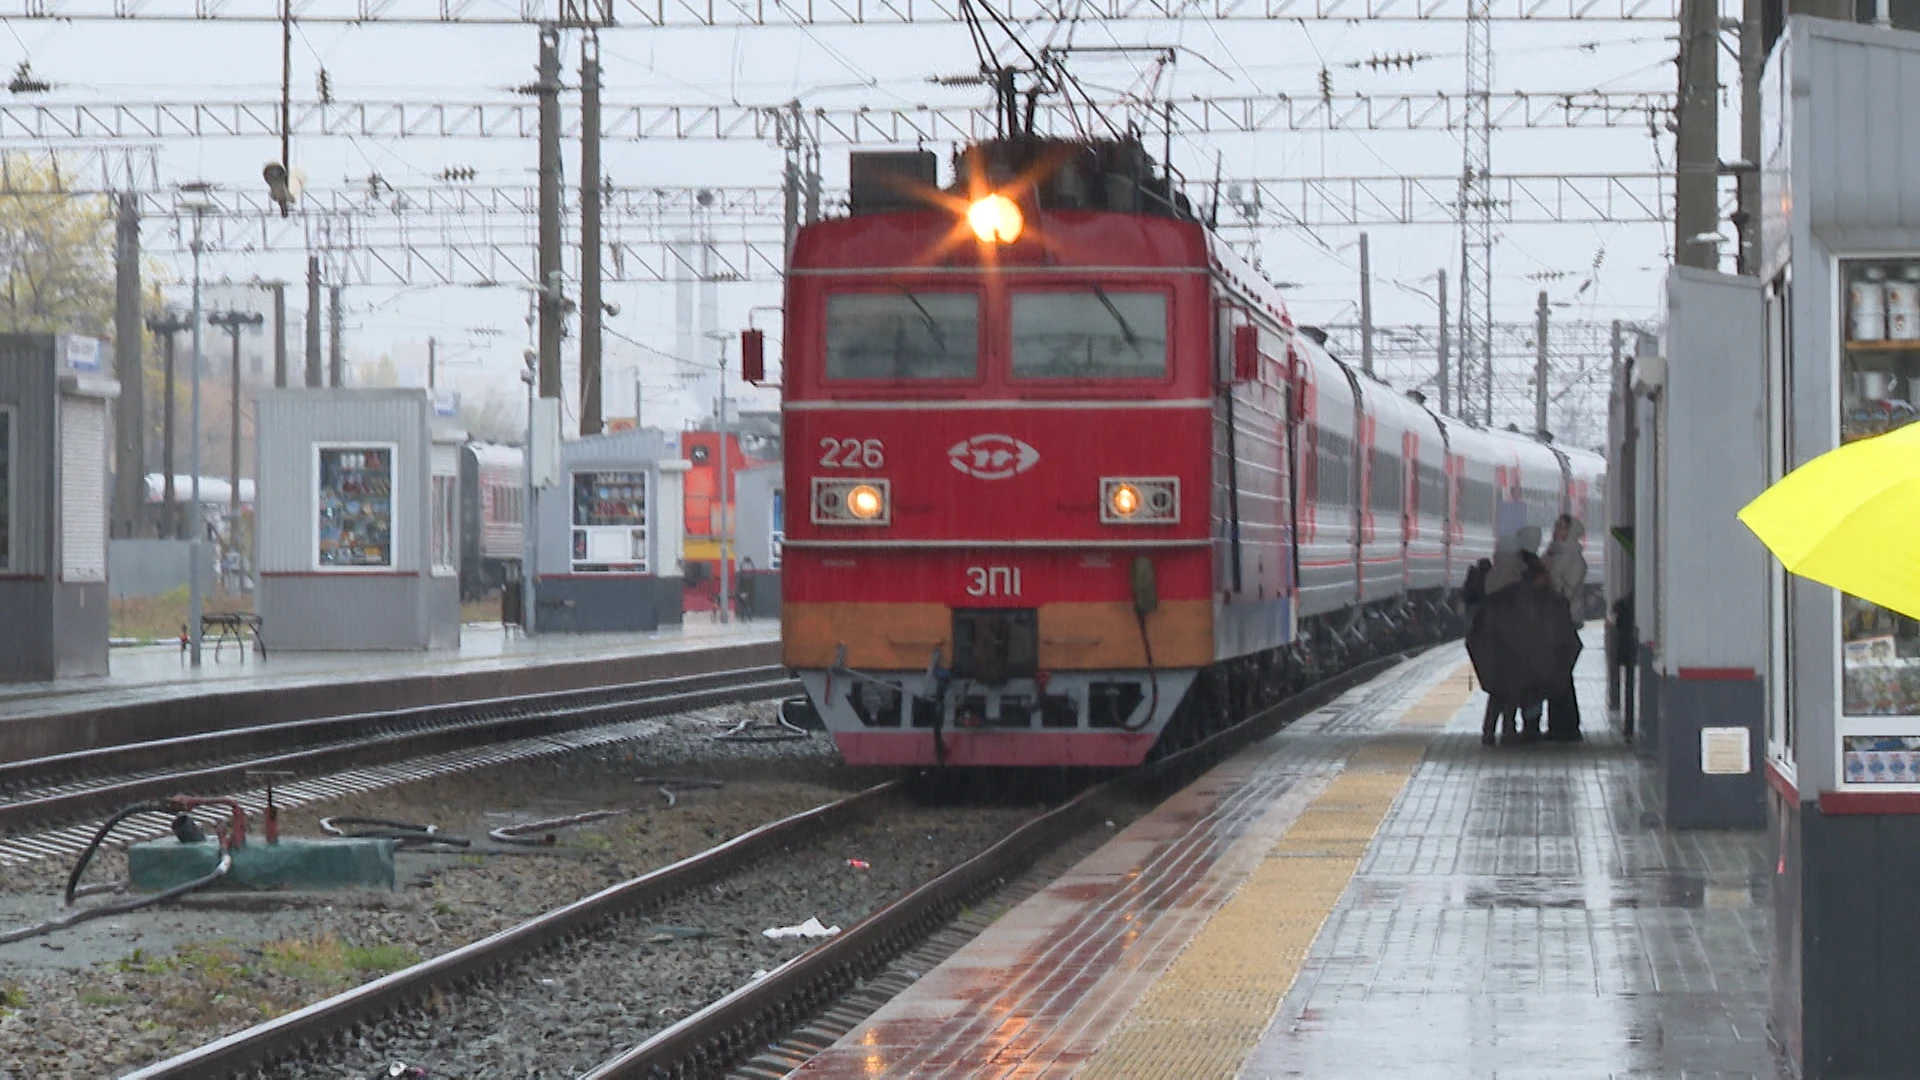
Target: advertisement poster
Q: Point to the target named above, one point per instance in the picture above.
(356, 507)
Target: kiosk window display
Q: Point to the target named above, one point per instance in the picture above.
(1880, 649)
(779, 528)
(355, 507)
(609, 522)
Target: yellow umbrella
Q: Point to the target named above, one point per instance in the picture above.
(1850, 518)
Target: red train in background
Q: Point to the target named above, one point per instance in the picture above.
(752, 440)
(1075, 484)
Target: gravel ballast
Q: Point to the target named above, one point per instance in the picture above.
(567, 1009)
(98, 999)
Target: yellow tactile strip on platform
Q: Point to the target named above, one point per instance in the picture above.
(1207, 1012)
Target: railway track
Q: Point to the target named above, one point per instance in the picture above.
(773, 1019)
(87, 784)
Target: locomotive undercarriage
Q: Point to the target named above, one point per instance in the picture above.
(1175, 707)
(1228, 692)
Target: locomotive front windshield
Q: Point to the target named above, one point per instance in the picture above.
(1097, 334)
(904, 334)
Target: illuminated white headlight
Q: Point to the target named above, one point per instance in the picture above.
(1140, 500)
(852, 502)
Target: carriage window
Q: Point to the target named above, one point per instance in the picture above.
(1333, 480)
(1476, 502)
(1433, 491)
(1097, 334)
(903, 335)
(1383, 492)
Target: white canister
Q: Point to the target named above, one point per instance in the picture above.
(1867, 297)
(1903, 307)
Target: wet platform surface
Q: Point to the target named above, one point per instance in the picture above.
(1370, 893)
(151, 673)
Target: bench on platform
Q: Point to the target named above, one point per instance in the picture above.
(229, 624)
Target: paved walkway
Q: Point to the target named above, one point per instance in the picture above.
(1370, 893)
(158, 672)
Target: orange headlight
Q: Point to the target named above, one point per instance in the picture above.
(996, 219)
(865, 502)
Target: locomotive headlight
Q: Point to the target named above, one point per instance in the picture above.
(1140, 500)
(851, 502)
(996, 219)
(865, 503)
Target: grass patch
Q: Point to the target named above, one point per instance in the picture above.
(138, 962)
(329, 961)
(592, 841)
(100, 998)
(485, 610)
(12, 997)
(159, 618)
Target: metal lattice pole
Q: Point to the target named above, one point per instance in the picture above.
(1476, 205)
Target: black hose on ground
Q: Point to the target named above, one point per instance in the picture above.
(403, 833)
(121, 907)
(99, 837)
(666, 785)
(751, 731)
(516, 834)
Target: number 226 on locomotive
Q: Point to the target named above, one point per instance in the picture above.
(1039, 420)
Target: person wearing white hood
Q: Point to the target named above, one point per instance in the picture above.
(1566, 563)
(1567, 568)
(1510, 558)
(1513, 563)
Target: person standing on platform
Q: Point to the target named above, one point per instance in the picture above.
(1567, 568)
(1533, 572)
(1507, 570)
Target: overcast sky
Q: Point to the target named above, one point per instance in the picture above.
(886, 66)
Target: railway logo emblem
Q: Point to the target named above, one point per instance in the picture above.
(993, 457)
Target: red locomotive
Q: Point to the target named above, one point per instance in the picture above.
(1075, 482)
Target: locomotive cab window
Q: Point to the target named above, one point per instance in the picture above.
(903, 334)
(1100, 333)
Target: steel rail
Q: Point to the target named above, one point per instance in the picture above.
(340, 742)
(713, 1039)
(738, 1024)
(265, 1043)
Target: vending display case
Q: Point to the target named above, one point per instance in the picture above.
(609, 557)
(354, 519)
(609, 522)
(1879, 351)
(1839, 244)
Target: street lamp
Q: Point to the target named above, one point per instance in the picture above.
(196, 201)
(726, 501)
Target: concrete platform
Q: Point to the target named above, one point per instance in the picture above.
(153, 693)
(1370, 893)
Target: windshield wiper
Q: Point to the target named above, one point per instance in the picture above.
(1126, 329)
(933, 325)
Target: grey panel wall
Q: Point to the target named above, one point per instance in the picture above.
(291, 421)
(341, 612)
(1862, 103)
(145, 567)
(27, 381)
(400, 606)
(1713, 570)
(753, 514)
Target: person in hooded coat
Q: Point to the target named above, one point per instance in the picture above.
(1567, 568)
(1521, 642)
